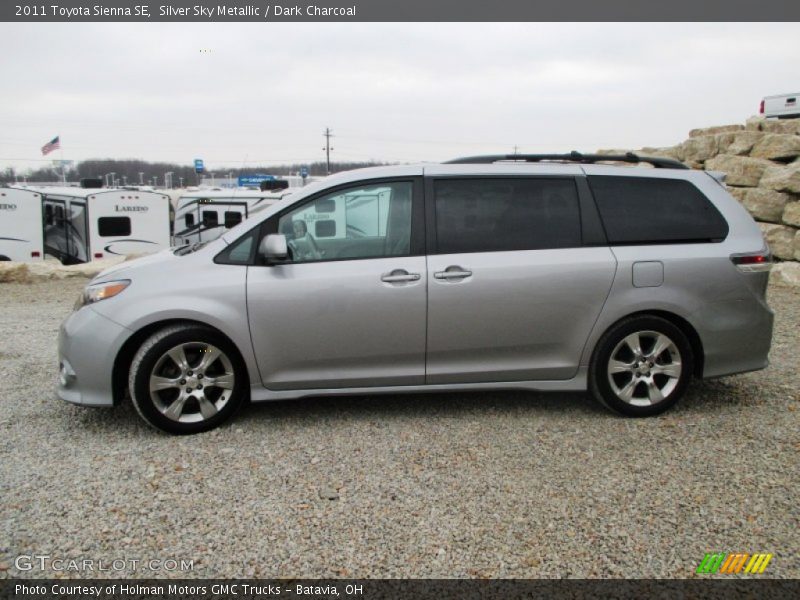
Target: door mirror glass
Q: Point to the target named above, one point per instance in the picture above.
(274, 247)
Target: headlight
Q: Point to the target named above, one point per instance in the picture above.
(101, 291)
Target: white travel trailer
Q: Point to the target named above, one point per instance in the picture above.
(81, 225)
(21, 237)
(204, 215)
(361, 214)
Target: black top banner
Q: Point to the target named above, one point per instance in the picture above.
(397, 10)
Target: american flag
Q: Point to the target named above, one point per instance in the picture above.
(53, 144)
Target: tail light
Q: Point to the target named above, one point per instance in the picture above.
(35, 254)
(761, 108)
(98, 255)
(758, 262)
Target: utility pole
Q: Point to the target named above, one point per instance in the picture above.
(328, 135)
(516, 150)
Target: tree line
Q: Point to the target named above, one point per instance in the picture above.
(133, 172)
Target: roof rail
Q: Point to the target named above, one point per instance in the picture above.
(628, 157)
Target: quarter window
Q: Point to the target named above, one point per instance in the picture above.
(648, 210)
(499, 214)
(365, 222)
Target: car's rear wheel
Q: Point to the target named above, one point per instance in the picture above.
(187, 379)
(641, 366)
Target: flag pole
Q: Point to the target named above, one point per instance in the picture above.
(63, 166)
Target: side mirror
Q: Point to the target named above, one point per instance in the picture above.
(274, 248)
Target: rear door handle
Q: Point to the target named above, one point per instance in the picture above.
(453, 273)
(399, 276)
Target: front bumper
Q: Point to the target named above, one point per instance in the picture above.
(88, 343)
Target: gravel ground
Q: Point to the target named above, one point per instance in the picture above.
(446, 485)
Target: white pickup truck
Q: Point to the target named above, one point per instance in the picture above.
(782, 106)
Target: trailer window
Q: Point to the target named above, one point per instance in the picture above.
(189, 218)
(59, 214)
(48, 214)
(324, 229)
(114, 226)
(232, 218)
(210, 218)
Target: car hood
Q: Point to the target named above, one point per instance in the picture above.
(124, 267)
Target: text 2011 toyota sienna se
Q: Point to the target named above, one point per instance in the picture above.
(537, 273)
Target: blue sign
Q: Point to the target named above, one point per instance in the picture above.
(245, 180)
(303, 172)
(198, 165)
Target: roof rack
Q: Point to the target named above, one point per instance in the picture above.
(628, 157)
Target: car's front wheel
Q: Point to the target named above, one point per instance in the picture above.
(186, 379)
(641, 366)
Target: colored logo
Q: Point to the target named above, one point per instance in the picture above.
(736, 562)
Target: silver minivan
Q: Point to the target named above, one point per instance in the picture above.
(526, 272)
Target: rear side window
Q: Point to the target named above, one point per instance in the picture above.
(497, 214)
(648, 210)
(113, 226)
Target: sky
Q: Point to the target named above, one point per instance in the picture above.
(263, 93)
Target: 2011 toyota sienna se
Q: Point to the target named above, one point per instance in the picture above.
(534, 272)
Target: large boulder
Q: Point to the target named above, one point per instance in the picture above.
(675, 152)
(715, 130)
(777, 146)
(742, 143)
(700, 148)
(782, 179)
(797, 245)
(780, 239)
(773, 125)
(765, 205)
(754, 123)
(791, 214)
(738, 192)
(740, 170)
(781, 126)
(786, 273)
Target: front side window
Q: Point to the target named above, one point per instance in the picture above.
(500, 214)
(364, 222)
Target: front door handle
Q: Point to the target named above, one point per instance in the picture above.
(399, 276)
(453, 273)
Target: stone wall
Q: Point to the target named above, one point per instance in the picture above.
(761, 160)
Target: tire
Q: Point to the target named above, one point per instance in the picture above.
(198, 379)
(641, 366)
